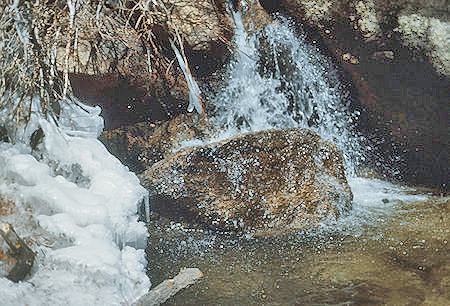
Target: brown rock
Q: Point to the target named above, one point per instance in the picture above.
(19, 258)
(201, 23)
(7, 261)
(141, 145)
(276, 179)
(254, 17)
(419, 25)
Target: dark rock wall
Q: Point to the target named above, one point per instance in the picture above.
(402, 97)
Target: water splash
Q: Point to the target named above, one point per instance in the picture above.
(277, 80)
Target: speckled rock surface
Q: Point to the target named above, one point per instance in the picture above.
(427, 29)
(276, 179)
(420, 25)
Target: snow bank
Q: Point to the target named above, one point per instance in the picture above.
(77, 205)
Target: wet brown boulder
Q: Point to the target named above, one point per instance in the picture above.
(262, 181)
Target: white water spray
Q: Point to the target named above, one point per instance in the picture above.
(276, 80)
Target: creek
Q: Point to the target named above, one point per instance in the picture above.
(392, 248)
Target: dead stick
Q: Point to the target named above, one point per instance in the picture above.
(170, 287)
(23, 255)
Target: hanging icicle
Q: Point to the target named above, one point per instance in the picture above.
(195, 100)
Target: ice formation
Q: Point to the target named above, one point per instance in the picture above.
(77, 205)
(194, 90)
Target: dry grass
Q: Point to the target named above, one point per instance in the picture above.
(34, 33)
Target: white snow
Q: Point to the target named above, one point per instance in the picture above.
(77, 205)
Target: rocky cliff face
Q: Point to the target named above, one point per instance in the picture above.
(419, 25)
(263, 181)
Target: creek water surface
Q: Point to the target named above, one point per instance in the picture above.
(392, 249)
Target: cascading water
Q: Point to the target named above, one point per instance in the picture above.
(276, 80)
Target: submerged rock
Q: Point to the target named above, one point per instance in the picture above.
(275, 179)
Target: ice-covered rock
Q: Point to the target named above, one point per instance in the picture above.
(76, 205)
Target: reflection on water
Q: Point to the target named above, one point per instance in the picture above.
(392, 249)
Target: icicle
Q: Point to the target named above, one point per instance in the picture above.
(149, 63)
(194, 90)
(147, 208)
(97, 14)
(72, 6)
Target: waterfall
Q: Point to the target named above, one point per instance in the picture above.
(277, 80)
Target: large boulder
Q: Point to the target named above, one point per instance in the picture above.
(262, 181)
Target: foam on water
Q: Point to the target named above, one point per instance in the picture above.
(374, 200)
